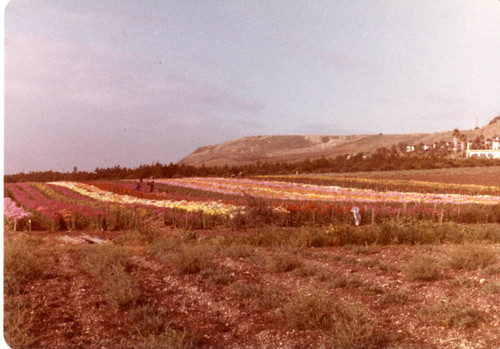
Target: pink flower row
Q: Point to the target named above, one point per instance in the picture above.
(34, 200)
(11, 210)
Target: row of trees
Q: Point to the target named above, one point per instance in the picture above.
(383, 159)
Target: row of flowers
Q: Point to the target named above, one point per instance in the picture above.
(309, 192)
(96, 193)
(389, 184)
(34, 200)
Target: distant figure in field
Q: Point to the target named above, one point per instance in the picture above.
(138, 186)
(357, 215)
(152, 184)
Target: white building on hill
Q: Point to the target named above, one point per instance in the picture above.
(491, 153)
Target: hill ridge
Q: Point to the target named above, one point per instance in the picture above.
(287, 148)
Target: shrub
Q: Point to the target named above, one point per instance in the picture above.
(24, 261)
(149, 319)
(454, 314)
(394, 297)
(237, 250)
(170, 338)
(422, 268)
(18, 324)
(471, 257)
(347, 324)
(284, 262)
(220, 275)
(493, 287)
(492, 270)
(461, 281)
(264, 297)
(120, 288)
(191, 259)
(108, 264)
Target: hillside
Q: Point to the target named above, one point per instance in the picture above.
(283, 148)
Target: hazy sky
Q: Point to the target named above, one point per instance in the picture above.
(128, 82)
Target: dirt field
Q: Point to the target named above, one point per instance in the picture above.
(253, 289)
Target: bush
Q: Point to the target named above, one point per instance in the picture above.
(454, 314)
(347, 324)
(394, 297)
(108, 264)
(24, 261)
(264, 297)
(283, 262)
(18, 324)
(149, 319)
(422, 268)
(220, 275)
(471, 257)
(492, 287)
(191, 259)
(237, 250)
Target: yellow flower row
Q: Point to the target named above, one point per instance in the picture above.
(207, 207)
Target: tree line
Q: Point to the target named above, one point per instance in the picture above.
(383, 159)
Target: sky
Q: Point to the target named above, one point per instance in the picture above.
(96, 84)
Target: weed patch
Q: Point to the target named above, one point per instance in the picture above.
(18, 324)
(191, 259)
(471, 257)
(422, 268)
(108, 264)
(24, 261)
(454, 314)
(394, 297)
(284, 262)
(492, 287)
(347, 324)
(266, 297)
(220, 275)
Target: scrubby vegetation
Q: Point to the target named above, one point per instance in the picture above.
(381, 160)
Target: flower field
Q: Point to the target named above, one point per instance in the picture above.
(208, 202)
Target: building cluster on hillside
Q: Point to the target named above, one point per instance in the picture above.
(478, 148)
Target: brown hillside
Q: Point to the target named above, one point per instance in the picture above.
(300, 147)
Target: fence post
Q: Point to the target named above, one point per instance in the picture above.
(441, 217)
(15, 224)
(373, 216)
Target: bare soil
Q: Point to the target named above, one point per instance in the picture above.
(69, 311)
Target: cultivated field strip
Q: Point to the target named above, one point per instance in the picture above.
(310, 192)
